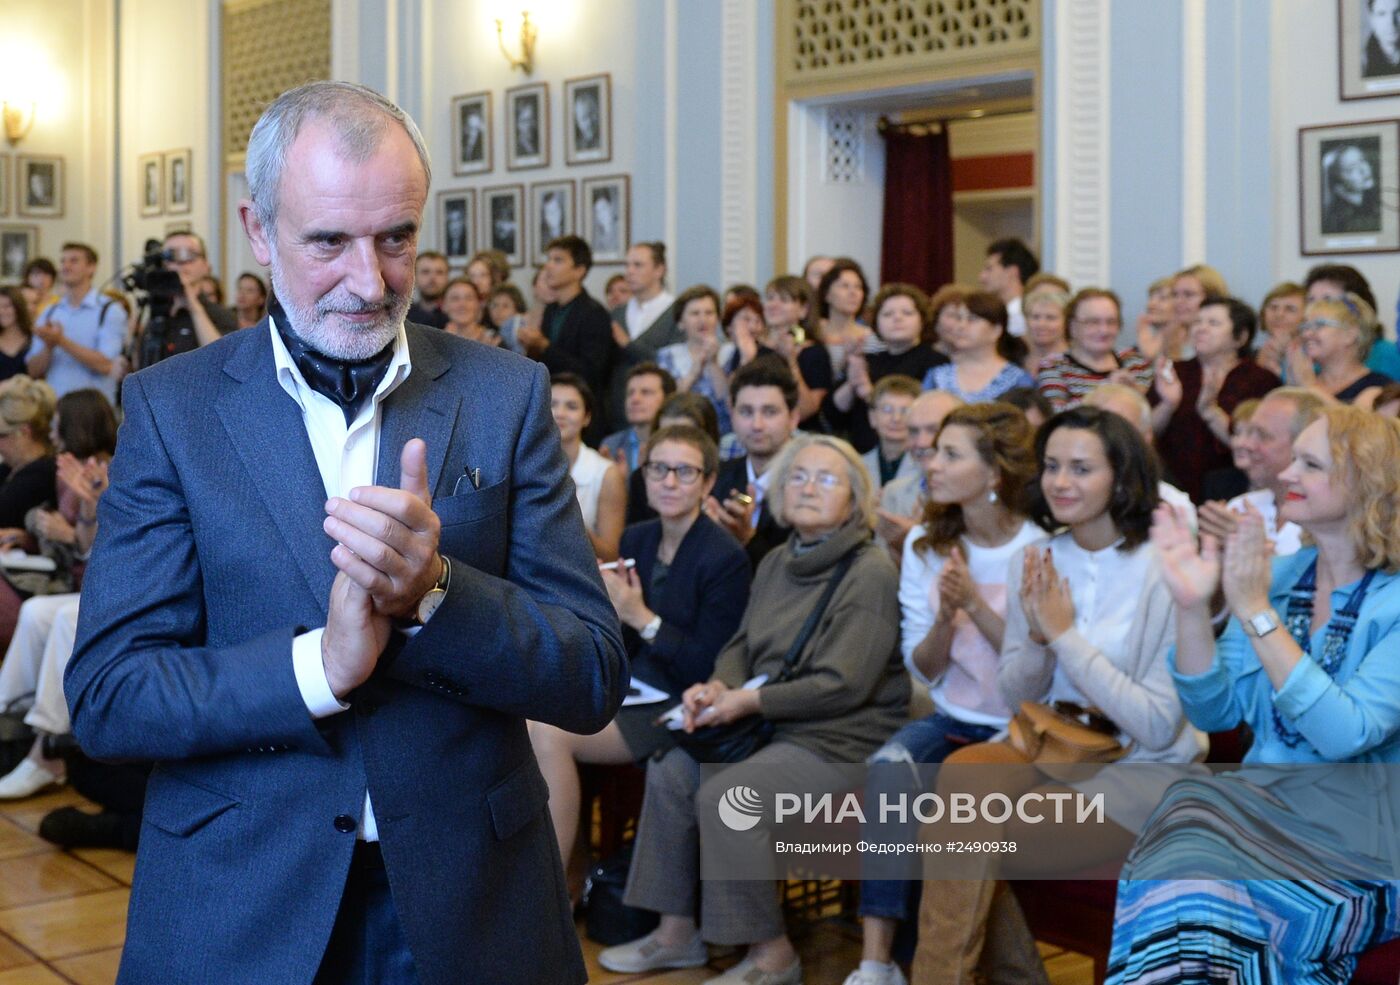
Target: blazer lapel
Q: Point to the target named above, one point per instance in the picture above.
(265, 427)
(422, 406)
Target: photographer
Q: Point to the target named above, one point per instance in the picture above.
(181, 319)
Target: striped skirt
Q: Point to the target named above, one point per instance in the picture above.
(1300, 912)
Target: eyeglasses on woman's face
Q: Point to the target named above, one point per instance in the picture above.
(798, 478)
(686, 474)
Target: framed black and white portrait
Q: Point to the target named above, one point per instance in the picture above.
(503, 221)
(4, 185)
(457, 220)
(150, 184)
(178, 176)
(588, 125)
(527, 127)
(471, 133)
(1369, 37)
(551, 214)
(1347, 194)
(40, 190)
(606, 215)
(18, 245)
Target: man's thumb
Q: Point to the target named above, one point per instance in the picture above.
(413, 470)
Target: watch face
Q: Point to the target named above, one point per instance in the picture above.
(428, 604)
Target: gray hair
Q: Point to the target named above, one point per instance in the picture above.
(1105, 392)
(358, 115)
(1308, 406)
(862, 488)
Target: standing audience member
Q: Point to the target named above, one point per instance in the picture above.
(616, 292)
(1155, 324)
(507, 310)
(1009, 264)
(904, 323)
(1046, 336)
(948, 308)
(249, 300)
(1072, 635)
(1336, 335)
(1189, 288)
(952, 601)
(79, 338)
(848, 696)
(1195, 398)
(431, 275)
(743, 325)
(193, 319)
(681, 602)
(40, 275)
(646, 322)
(575, 333)
(648, 386)
(815, 269)
(1095, 316)
(1308, 664)
(889, 417)
(841, 298)
(902, 500)
(765, 416)
(698, 363)
(16, 332)
(977, 371)
(787, 310)
(487, 270)
(598, 482)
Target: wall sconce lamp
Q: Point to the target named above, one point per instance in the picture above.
(18, 120)
(526, 61)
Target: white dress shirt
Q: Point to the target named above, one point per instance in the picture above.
(760, 489)
(1015, 319)
(641, 315)
(346, 457)
(1287, 536)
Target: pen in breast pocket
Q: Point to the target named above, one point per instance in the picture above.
(471, 475)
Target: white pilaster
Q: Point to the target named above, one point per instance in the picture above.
(1082, 161)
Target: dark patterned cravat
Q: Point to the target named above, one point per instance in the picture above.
(348, 384)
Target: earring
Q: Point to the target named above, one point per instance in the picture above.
(992, 496)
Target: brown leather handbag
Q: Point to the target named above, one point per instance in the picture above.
(1064, 733)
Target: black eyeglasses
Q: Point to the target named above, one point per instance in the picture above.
(685, 474)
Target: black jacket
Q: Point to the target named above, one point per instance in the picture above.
(734, 475)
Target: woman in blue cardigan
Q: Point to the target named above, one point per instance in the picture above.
(678, 606)
(1309, 663)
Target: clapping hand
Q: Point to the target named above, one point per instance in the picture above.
(1300, 365)
(1192, 575)
(1248, 565)
(956, 589)
(1167, 383)
(1217, 520)
(87, 480)
(1045, 596)
(858, 373)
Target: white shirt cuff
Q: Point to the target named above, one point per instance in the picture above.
(311, 676)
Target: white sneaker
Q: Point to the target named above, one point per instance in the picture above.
(748, 973)
(891, 975)
(25, 780)
(649, 954)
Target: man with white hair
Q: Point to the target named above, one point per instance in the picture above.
(326, 596)
(1128, 403)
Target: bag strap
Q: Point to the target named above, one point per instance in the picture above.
(794, 653)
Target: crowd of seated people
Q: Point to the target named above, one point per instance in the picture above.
(985, 468)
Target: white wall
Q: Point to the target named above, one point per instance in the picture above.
(61, 51)
(168, 102)
(1304, 82)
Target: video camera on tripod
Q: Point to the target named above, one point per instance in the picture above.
(156, 289)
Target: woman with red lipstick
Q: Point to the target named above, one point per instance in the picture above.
(1095, 318)
(1195, 399)
(1090, 622)
(1308, 664)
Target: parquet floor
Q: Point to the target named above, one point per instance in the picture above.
(63, 917)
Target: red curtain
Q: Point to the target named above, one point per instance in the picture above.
(917, 241)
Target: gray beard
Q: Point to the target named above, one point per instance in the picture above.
(318, 327)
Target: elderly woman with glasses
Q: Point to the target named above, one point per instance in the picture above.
(846, 694)
(679, 591)
(1095, 316)
(1333, 342)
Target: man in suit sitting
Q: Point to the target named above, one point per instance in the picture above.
(764, 396)
(575, 332)
(326, 596)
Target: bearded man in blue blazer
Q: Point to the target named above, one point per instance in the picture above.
(338, 567)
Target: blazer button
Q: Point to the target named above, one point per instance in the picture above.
(345, 824)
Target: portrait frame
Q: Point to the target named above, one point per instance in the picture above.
(179, 181)
(5, 168)
(511, 243)
(476, 159)
(540, 199)
(28, 201)
(608, 246)
(457, 249)
(150, 184)
(1364, 70)
(521, 153)
(580, 93)
(11, 266)
(1331, 222)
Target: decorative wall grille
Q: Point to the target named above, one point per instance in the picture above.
(845, 147)
(269, 46)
